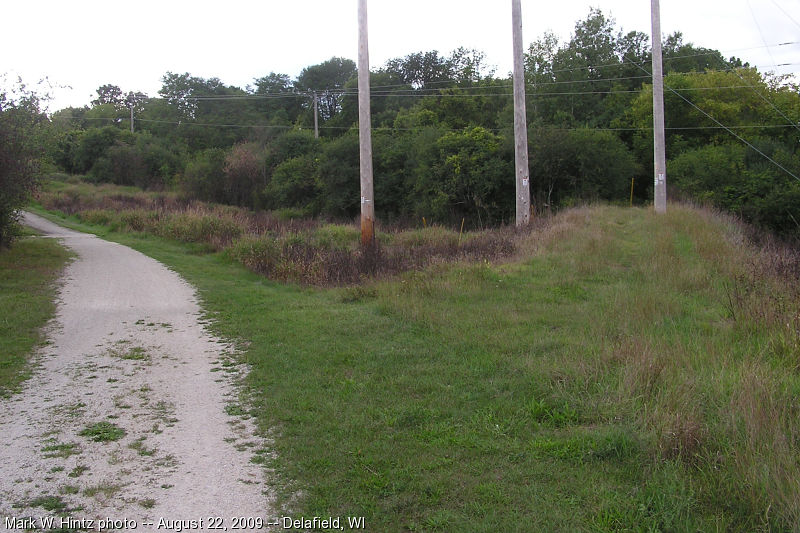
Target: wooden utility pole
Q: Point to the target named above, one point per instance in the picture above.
(659, 152)
(316, 115)
(523, 188)
(131, 99)
(365, 130)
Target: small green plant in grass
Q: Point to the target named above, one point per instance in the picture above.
(78, 471)
(136, 353)
(235, 409)
(554, 415)
(49, 503)
(69, 489)
(358, 293)
(60, 450)
(141, 448)
(103, 489)
(103, 432)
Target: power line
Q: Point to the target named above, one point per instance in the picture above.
(420, 93)
(437, 92)
(781, 113)
(728, 129)
(625, 61)
(611, 65)
(785, 13)
(760, 32)
(674, 58)
(393, 128)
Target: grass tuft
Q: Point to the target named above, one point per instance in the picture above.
(103, 432)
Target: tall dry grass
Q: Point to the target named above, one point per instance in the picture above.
(305, 251)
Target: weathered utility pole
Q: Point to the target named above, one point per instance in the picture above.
(131, 99)
(365, 130)
(523, 188)
(659, 152)
(316, 115)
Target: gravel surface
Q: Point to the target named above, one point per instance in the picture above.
(126, 415)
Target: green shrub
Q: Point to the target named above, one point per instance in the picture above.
(136, 220)
(204, 176)
(294, 184)
(259, 254)
(203, 228)
(337, 236)
(102, 217)
(429, 236)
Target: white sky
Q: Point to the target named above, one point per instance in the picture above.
(87, 43)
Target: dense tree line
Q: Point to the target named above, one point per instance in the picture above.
(443, 141)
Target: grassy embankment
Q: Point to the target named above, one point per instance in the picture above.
(28, 272)
(621, 372)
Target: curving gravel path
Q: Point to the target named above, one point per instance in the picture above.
(127, 351)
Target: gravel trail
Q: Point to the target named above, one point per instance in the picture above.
(126, 413)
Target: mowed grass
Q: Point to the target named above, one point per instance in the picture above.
(28, 271)
(625, 372)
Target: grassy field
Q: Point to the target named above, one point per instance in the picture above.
(28, 271)
(620, 372)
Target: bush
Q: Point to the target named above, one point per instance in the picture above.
(91, 145)
(259, 254)
(100, 217)
(294, 184)
(337, 236)
(245, 174)
(204, 176)
(199, 227)
(294, 143)
(121, 164)
(583, 164)
(472, 178)
(20, 123)
(738, 179)
(338, 177)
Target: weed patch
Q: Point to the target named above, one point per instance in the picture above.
(60, 450)
(136, 353)
(50, 503)
(78, 471)
(103, 432)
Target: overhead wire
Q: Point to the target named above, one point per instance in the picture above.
(428, 86)
(769, 102)
(393, 128)
(761, 33)
(616, 64)
(785, 13)
(421, 93)
(726, 128)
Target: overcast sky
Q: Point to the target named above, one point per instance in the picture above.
(87, 43)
